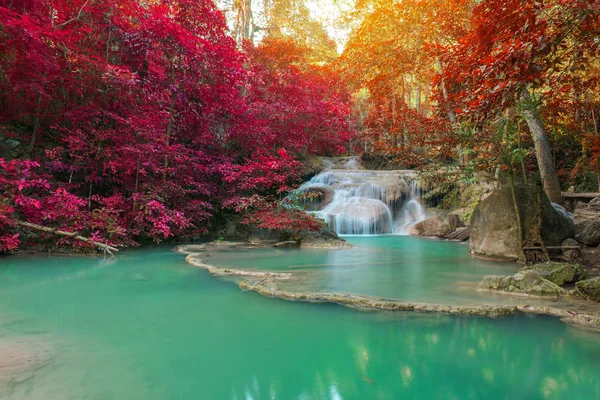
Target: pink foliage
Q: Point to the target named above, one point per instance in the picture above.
(141, 121)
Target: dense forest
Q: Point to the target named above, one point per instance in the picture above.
(123, 121)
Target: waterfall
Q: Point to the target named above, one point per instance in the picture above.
(355, 201)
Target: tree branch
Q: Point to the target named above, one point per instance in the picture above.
(74, 18)
(74, 235)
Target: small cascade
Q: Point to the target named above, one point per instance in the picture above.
(354, 201)
(412, 211)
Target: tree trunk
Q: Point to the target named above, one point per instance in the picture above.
(426, 104)
(463, 159)
(450, 111)
(36, 126)
(543, 151)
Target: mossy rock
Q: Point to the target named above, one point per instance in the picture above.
(525, 282)
(590, 288)
(558, 273)
(588, 232)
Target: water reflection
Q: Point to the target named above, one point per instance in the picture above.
(404, 268)
(451, 358)
(182, 334)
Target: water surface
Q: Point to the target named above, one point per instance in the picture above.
(405, 268)
(146, 325)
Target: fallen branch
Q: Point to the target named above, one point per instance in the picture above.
(588, 196)
(74, 235)
(552, 248)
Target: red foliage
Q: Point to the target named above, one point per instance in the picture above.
(284, 94)
(407, 135)
(282, 219)
(517, 44)
(144, 119)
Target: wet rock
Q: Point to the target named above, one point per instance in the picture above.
(558, 273)
(315, 197)
(326, 238)
(266, 288)
(571, 254)
(525, 282)
(588, 232)
(287, 244)
(195, 260)
(460, 234)
(433, 226)
(589, 288)
(494, 232)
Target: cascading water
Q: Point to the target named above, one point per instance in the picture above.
(361, 202)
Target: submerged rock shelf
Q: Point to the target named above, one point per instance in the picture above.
(216, 271)
(366, 303)
(267, 283)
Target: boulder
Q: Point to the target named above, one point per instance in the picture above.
(594, 205)
(588, 232)
(432, 226)
(326, 238)
(590, 288)
(557, 272)
(455, 222)
(494, 228)
(525, 282)
(571, 254)
(460, 234)
(315, 197)
(450, 227)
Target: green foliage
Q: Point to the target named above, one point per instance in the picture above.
(586, 181)
(442, 185)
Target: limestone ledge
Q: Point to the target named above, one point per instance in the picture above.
(367, 303)
(264, 283)
(216, 271)
(307, 242)
(576, 319)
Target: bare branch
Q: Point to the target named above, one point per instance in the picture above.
(75, 18)
(74, 235)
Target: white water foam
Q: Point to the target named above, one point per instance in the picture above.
(367, 202)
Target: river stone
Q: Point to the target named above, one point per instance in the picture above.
(558, 273)
(571, 254)
(525, 282)
(588, 232)
(494, 232)
(590, 288)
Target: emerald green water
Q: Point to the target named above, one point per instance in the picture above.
(400, 267)
(146, 325)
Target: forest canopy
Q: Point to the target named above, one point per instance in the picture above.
(123, 121)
